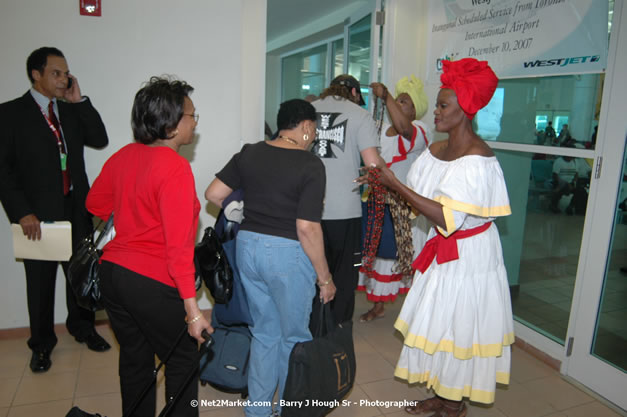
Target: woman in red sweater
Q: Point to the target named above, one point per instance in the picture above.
(147, 269)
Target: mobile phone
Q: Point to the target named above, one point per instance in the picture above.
(69, 82)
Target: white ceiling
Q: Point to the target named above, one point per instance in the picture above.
(285, 16)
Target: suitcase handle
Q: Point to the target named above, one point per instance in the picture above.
(203, 348)
(207, 343)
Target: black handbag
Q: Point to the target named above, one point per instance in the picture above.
(83, 270)
(321, 372)
(213, 266)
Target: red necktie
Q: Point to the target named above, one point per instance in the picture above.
(65, 172)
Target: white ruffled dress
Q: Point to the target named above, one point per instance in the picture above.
(457, 317)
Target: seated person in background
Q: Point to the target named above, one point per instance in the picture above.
(540, 137)
(564, 137)
(549, 134)
(569, 177)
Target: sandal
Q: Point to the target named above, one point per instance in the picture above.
(371, 315)
(425, 406)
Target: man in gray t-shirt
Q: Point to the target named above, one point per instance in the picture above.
(346, 134)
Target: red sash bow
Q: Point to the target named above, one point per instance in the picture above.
(444, 247)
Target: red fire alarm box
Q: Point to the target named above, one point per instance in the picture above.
(90, 7)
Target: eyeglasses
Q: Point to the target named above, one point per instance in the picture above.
(196, 116)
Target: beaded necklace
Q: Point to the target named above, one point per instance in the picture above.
(376, 204)
(374, 225)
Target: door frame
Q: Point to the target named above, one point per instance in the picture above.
(581, 365)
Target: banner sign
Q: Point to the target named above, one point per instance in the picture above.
(519, 38)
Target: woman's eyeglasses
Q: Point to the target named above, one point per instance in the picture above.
(194, 115)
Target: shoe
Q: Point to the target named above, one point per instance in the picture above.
(425, 406)
(40, 361)
(94, 341)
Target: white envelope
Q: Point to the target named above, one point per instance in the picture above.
(55, 243)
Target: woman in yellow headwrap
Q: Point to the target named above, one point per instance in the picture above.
(402, 140)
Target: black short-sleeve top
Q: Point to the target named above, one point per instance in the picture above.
(280, 185)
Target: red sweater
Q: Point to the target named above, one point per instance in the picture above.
(151, 191)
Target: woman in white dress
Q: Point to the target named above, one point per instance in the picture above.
(402, 141)
(457, 319)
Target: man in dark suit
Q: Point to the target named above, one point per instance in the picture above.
(43, 178)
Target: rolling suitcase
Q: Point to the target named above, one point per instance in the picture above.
(225, 367)
(204, 348)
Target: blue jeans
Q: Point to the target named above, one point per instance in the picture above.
(280, 285)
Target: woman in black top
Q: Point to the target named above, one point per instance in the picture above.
(280, 253)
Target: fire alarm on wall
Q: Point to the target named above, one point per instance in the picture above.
(90, 7)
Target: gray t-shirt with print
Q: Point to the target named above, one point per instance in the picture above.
(344, 130)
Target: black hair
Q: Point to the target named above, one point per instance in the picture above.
(158, 108)
(38, 59)
(292, 112)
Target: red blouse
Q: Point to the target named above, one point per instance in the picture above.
(152, 193)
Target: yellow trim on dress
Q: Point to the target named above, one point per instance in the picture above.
(463, 353)
(454, 394)
(473, 209)
(449, 219)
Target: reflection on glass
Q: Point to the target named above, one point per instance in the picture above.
(303, 73)
(359, 53)
(610, 340)
(542, 237)
(550, 111)
(338, 58)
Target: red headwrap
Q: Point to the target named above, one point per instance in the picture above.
(473, 81)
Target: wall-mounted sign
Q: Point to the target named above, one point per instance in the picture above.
(519, 38)
(90, 7)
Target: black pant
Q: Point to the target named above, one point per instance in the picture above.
(41, 277)
(147, 317)
(342, 248)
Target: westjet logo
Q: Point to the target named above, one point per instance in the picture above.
(562, 62)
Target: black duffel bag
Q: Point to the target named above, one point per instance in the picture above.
(321, 372)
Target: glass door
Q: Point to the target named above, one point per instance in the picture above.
(596, 351)
(362, 36)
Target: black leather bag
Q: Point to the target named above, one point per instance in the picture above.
(83, 270)
(213, 266)
(321, 371)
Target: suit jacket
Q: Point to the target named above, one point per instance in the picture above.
(30, 169)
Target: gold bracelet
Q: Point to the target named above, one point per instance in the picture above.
(195, 319)
(326, 282)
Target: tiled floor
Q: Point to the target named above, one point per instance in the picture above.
(89, 380)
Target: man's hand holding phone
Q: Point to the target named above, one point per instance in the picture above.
(72, 91)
